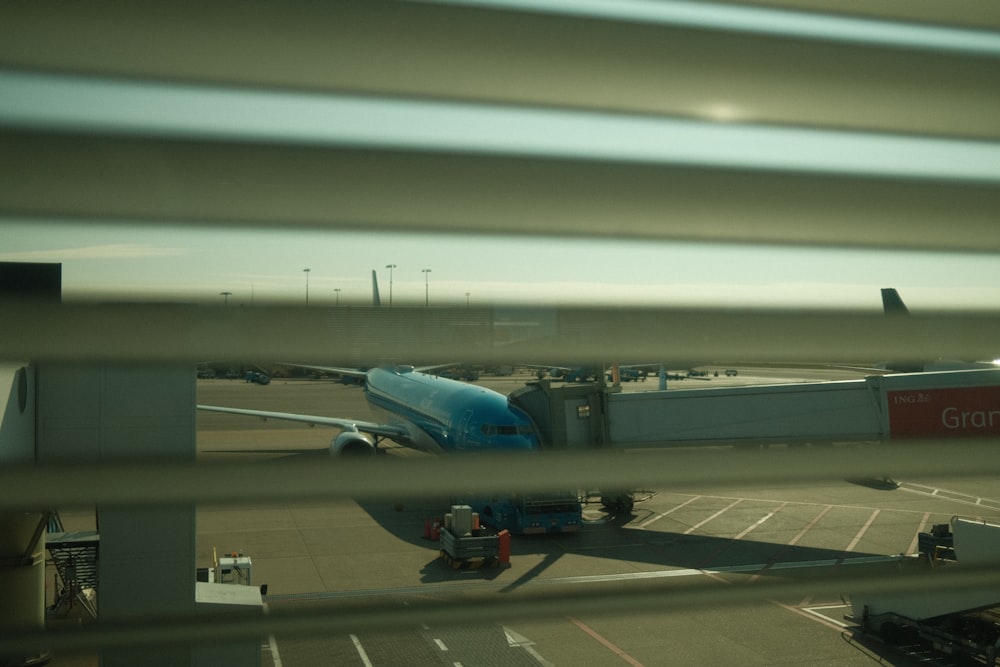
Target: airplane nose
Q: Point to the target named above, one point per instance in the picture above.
(521, 444)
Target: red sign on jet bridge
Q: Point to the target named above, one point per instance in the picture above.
(951, 412)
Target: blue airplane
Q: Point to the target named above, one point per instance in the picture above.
(419, 410)
(422, 411)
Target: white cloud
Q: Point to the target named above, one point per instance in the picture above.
(95, 252)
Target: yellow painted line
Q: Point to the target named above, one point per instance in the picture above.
(605, 642)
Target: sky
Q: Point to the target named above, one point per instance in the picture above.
(197, 264)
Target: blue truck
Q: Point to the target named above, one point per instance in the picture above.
(527, 514)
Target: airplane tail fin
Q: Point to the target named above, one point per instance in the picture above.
(376, 301)
(892, 304)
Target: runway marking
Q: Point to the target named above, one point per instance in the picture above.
(861, 533)
(920, 529)
(440, 645)
(720, 512)
(760, 521)
(669, 511)
(770, 564)
(606, 643)
(813, 614)
(727, 544)
(946, 494)
(725, 569)
(515, 640)
(272, 645)
(361, 651)
(812, 524)
(804, 503)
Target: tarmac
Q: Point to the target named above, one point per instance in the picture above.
(326, 556)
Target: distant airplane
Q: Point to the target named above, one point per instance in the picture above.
(423, 411)
(892, 303)
(893, 306)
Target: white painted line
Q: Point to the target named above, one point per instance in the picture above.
(272, 645)
(730, 569)
(864, 529)
(946, 494)
(669, 511)
(717, 514)
(760, 522)
(361, 651)
(813, 613)
(440, 645)
(515, 640)
(769, 566)
(916, 536)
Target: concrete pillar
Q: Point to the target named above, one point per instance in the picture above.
(22, 538)
(22, 579)
(143, 413)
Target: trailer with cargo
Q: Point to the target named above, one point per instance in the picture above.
(465, 544)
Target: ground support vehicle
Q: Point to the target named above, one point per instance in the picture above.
(465, 545)
(956, 621)
(527, 514)
(257, 377)
(974, 636)
(618, 501)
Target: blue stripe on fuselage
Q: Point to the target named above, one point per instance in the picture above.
(447, 415)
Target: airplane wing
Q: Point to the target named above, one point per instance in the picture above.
(360, 373)
(337, 370)
(386, 430)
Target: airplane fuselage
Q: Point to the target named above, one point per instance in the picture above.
(444, 416)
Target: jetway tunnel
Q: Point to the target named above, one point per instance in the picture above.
(573, 416)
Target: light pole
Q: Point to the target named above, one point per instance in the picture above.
(390, 267)
(306, 271)
(226, 295)
(337, 290)
(467, 299)
(427, 298)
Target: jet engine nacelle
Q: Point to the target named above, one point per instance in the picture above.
(352, 443)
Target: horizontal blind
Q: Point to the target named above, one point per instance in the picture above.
(627, 120)
(560, 334)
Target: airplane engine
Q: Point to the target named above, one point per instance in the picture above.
(352, 443)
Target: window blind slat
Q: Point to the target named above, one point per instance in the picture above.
(659, 62)
(137, 482)
(368, 335)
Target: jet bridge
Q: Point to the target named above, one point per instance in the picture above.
(942, 404)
